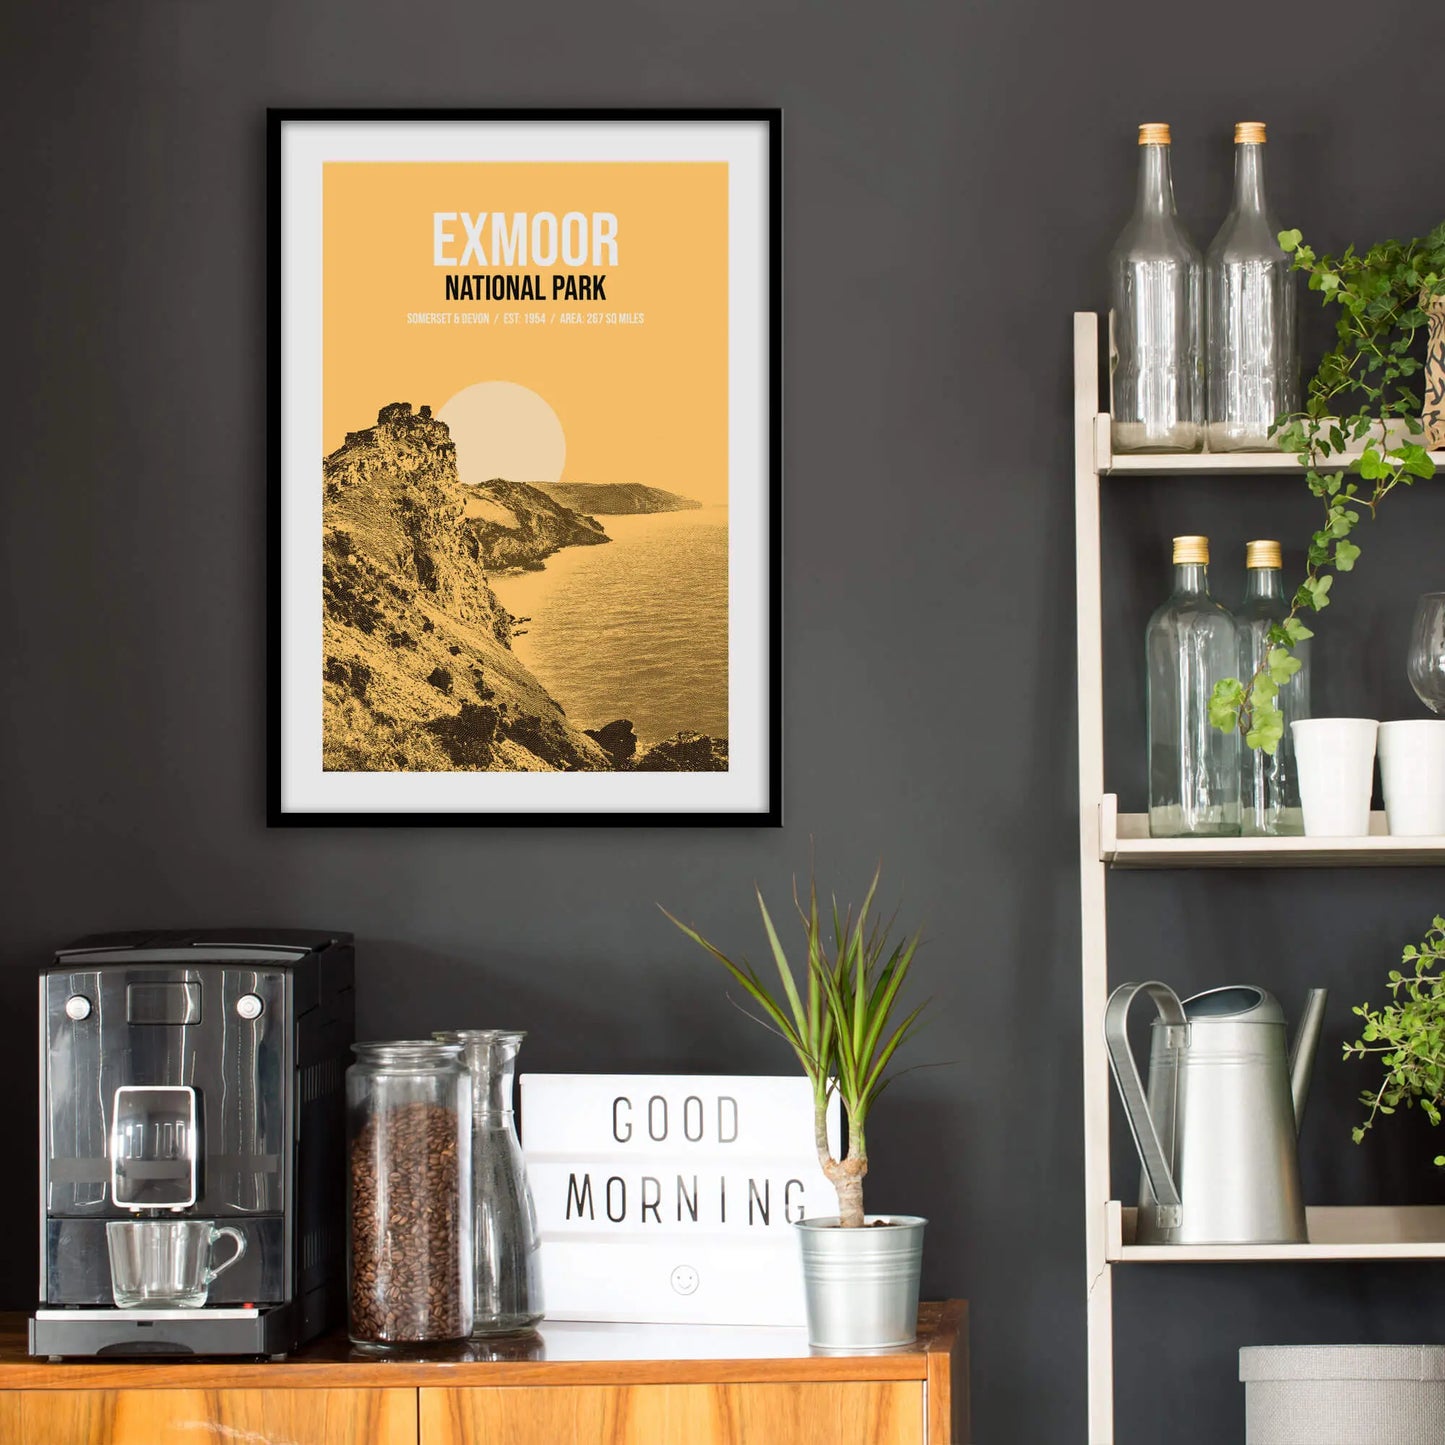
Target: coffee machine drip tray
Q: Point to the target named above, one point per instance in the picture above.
(271, 1330)
(204, 1313)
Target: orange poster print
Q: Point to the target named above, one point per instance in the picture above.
(526, 435)
(636, 377)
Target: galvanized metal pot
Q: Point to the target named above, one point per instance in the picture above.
(862, 1284)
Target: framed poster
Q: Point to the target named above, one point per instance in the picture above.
(525, 467)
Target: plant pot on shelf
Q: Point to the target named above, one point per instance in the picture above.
(1412, 774)
(1434, 414)
(1335, 759)
(862, 1284)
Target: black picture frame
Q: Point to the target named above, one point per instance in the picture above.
(768, 816)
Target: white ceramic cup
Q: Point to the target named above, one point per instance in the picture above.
(1412, 770)
(1335, 757)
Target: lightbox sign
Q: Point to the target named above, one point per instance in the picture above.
(671, 1198)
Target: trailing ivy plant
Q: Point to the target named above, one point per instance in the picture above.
(838, 1010)
(1365, 380)
(1408, 1035)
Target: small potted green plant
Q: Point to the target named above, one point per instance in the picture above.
(1408, 1035)
(839, 1010)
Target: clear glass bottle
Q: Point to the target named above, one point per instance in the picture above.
(1193, 767)
(506, 1263)
(1253, 366)
(1270, 806)
(409, 1189)
(1156, 326)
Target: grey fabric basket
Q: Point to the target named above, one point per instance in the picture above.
(1343, 1394)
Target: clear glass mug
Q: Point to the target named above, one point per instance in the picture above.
(166, 1263)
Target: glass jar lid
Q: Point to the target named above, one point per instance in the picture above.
(478, 1036)
(408, 1054)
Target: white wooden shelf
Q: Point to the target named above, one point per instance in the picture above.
(1108, 462)
(1336, 1234)
(1124, 842)
(1110, 840)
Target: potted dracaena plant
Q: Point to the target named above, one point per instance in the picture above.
(839, 1010)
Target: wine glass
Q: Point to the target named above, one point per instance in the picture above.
(1427, 651)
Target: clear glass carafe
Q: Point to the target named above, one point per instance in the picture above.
(409, 1190)
(1270, 806)
(1190, 646)
(1253, 366)
(1427, 651)
(506, 1261)
(1156, 330)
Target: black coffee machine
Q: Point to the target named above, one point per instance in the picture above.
(194, 1075)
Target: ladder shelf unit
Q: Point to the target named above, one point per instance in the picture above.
(1110, 839)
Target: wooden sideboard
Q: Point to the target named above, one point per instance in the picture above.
(593, 1384)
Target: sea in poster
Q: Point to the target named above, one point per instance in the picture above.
(525, 489)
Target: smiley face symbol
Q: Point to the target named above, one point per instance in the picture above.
(684, 1279)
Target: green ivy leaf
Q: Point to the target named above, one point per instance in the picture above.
(1289, 240)
(1345, 554)
(1282, 665)
(1371, 466)
(1225, 703)
(1296, 629)
(1415, 459)
(1291, 437)
(1267, 726)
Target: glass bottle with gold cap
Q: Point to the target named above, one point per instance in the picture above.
(1253, 367)
(1190, 646)
(1270, 805)
(1156, 322)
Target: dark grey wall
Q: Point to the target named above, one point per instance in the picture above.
(955, 175)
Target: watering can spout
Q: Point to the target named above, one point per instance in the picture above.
(1302, 1053)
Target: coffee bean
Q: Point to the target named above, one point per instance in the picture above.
(406, 1223)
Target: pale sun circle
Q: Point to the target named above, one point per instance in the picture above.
(502, 429)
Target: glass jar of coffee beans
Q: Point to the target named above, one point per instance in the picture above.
(408, 1142)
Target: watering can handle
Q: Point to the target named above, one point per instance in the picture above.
(1152, 1152)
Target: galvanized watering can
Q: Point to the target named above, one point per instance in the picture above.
(1217, 1135)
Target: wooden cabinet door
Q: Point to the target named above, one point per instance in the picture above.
(208, 1417)
(882, 1412)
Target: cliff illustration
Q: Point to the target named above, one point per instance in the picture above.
(418, 674)
(615, 499)
(513, 524)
